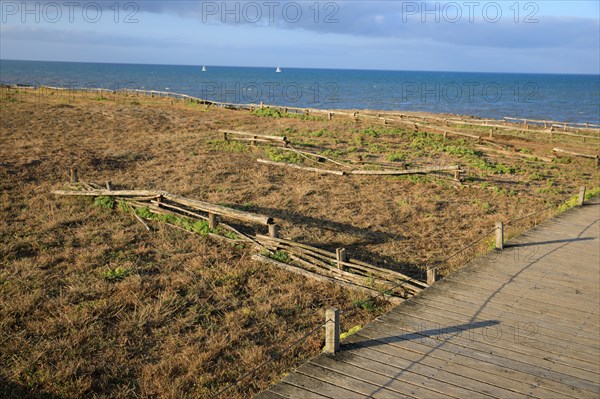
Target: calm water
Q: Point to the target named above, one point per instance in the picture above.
(572, 98)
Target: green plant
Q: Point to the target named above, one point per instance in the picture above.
(280, 256)
(270, 112)
(396, 156)
(106, 202)
(278, 155)
(116, 274)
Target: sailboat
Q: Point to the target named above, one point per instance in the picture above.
(278, 69)
(203, 68)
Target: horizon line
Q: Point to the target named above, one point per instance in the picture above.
(316, 68)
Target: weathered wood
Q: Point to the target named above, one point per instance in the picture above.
(388, 274)
(332, 330)
(406, 172)
(115, 193)
(315, 276)
(255, 136)
(431, 275)
(195, 204)
(307, 168)
(513, 154)
(499, 235)
(212, 221)
(220, 210)
(74, 175)
(581, 196)
(341, 257)
(273, 230)
(577, 154)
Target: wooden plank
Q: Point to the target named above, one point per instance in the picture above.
(307, 168)
(480, 365)
(406, 172)
(402, 373)
(351, 382)
(456, 368)
(314, 384)
(583, 357)
(250, 134)
(504, 358)
(286, 390)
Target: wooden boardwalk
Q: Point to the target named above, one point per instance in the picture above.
(519, 323)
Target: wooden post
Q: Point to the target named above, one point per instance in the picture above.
(431, 275)
(109, 185)
(74, 175)
(499, 235)
(225, 138)
(212, 220)
(273, 230)
(329, 116)
(341, 256)
(492, 133)
(581, 198)
(253, 142)
(261, 104)
(457, 175)
(332, 330)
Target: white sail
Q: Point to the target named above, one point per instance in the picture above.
(203, 68)
(278, 69)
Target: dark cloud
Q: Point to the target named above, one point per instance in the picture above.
(27, 33)
(413, 20)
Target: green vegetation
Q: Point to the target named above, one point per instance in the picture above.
(275, 113)
(396, 156)
(280, 256)
(278, 155)
(105, 202)
(572, 202)
(116, 274)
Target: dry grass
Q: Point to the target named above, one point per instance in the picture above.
(192, 314)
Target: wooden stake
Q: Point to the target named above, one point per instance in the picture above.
(499, 235)
(431, 275)
(581, 198)
(109, 186)
(212, 221)
(341, 256)
(332, 330)
(273, 230)
(74, 175)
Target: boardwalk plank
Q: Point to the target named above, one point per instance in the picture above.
(433, 344)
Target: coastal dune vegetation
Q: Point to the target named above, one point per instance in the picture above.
(94, 305)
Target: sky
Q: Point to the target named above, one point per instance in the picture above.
(548, 36)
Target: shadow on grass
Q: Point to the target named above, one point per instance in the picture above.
(11, 390)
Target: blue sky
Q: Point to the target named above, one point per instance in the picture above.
(486, 36)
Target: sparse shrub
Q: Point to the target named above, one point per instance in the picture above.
(106, 202)
(117, 274)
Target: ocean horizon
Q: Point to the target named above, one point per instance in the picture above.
(560, 97)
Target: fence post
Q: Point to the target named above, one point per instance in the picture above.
(341, 256)
(332, 330)
(109, 186)
(212, 221)
(431, 275)
(499, 235)
(74, 175)
(274, 230)
(581, 198)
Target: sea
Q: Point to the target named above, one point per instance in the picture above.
(568, 98)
